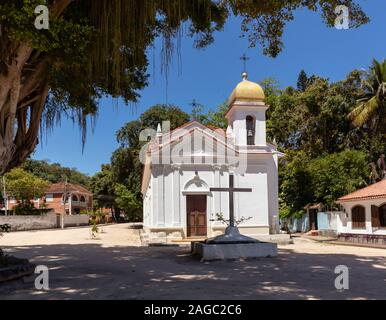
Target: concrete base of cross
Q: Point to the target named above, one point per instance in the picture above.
(231, 235)
(233, 245)
(232, 251)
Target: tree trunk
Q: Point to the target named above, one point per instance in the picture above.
(23, 94)
(22, 98)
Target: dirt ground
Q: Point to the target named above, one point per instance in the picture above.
(117, 267)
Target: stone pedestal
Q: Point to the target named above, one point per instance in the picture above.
(233, 245)
(222, 251)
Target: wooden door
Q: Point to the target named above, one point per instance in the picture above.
(196, 215)
(58, 221)
(375, 217)
(313, 219)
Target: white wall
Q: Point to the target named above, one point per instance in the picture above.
(237, 119)
(19, 223)
(344, 224)
(165, 206)
(76, 220)
(44, 221)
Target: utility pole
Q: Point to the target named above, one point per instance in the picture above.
(5, 197)
(64, 202)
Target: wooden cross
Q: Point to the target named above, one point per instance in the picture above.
(245, 59)
(231, 190)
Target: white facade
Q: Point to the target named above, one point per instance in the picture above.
(345, 221)
(194, 158)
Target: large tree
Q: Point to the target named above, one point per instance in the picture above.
(24, 186)
(54, 172)
(95, 48)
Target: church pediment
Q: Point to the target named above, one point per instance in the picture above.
(198, 141)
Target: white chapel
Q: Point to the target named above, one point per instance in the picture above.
(182, 166)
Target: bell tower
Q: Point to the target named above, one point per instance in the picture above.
(246, 114)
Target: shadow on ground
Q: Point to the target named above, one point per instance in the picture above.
(91, 271)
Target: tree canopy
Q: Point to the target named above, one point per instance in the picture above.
(54, 172)
(96, 48)
(326, 155)
(24, 186)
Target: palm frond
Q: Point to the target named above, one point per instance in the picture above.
(370, 107)
(366, 111)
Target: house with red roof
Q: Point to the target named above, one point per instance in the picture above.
(62, 198)
(68, 198)
(364, 218)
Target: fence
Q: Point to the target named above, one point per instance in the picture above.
(326, 222)
(45, 221)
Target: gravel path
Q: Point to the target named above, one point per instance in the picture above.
(117, 267)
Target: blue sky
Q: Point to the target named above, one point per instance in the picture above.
(210, 75)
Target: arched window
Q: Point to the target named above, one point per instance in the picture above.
(250, 123)
(74, 198)
(358, 217)
(82, 199)
(382, 216)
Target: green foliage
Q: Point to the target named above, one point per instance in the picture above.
(102, 186)
(128, 135)
(128, 202)
(237, 222)
(4, 228)
(94, 229)
(118, 185)
(24, 186)
(370, 111)
(302, 83)
(28, 209)
(197, 112)
(338, 174)
(326, 157)
(320, 180)
(215, 118)
(295, 183)
(100, 48)
(371, 108)
(54, 172)
(315, 120)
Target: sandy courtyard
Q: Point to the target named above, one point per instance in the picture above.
(117, 267)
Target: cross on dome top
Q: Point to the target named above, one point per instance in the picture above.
(245, 59)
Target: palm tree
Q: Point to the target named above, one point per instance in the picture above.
(370, 111)
(371, 108)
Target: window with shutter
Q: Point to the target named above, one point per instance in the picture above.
(375, 222)
(382, 216)
(358, 217)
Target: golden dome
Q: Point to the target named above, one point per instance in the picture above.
(247, 91)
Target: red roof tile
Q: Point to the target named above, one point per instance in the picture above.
(60, 187)
(376, 190)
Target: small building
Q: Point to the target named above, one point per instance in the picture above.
(364, 215)
(183, 166)
(78, 198)
(317, 219)
(312, 210)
